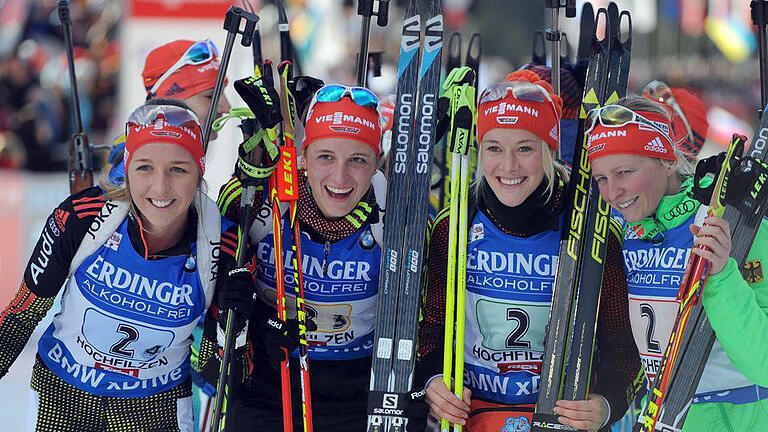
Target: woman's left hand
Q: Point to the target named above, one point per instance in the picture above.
(715, 235)
(587, 414)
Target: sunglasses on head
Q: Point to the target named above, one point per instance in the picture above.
(198, 53)
(172, 115)
(614, 116)
(335, 92)
(520, 90)
(660, 91)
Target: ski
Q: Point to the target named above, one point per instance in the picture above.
(587, 296)
(575, 300)
(406, 221)
(668, 404)
(402, 140)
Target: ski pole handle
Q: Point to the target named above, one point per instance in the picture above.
(232, 24)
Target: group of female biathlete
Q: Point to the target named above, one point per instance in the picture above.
(138, 261)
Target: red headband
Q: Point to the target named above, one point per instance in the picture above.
(189, 138)
(633, 138)
(343, 119)
(540, 118)
(186, 82)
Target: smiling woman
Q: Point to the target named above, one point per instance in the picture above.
(641, 172)
(340, 212)
(138, 265)
(517, 218)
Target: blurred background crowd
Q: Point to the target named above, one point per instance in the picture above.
(707, 46)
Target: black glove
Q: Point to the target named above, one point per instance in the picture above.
(237, 294)
(417, 412)
(747, 188)
(278, 334)
(262, 99)
(304, 89)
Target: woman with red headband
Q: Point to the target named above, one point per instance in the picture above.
(138, 264)
(185, 70)
(644, 175)
(517, 218)
(340, 212)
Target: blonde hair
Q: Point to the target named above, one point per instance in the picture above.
(683, 166)
(548, 162)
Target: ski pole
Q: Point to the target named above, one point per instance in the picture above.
(759, 9)
(258, 59)
(80, 169)
(553, 35)
(232, 21)
(366, 10)
(288, 168)
(459, 87)
(287, 50)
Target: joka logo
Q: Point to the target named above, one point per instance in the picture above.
(60, 216)
(656, 146)
(753, 271)
(506, 120)
(390, 401)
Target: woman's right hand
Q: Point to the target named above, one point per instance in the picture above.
(444, 404)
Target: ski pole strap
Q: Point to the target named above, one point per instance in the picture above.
(736, 147)
(239, 113)
(455, 77)
(459, 86)
(244, 157)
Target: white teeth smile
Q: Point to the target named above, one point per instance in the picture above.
(161, 204)
(339, 191)
(626, 204)
(511, 182)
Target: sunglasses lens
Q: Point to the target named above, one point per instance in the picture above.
(365, 97)
(199, 52)
(494, 92)
(175, 116)
(331, 93)
(615, 115)
(528, 93)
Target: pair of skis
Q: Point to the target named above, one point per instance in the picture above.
(406, 218)
(567, 360)
(692, 336)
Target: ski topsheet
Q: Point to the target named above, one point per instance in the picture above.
(669, 407)
(406, 218)
(575, 300)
